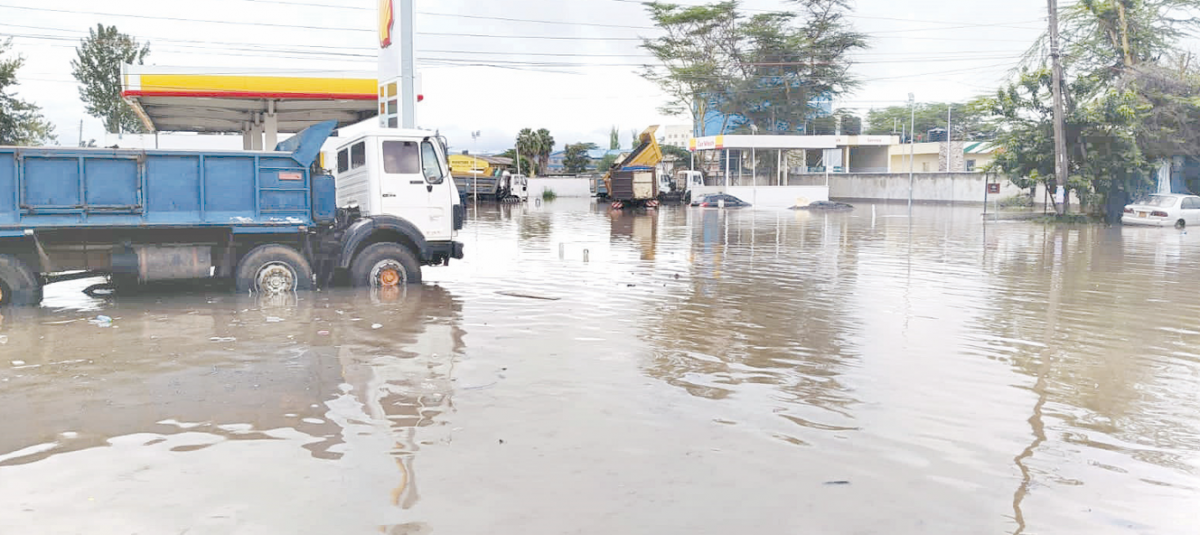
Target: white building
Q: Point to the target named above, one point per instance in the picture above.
(676, 135)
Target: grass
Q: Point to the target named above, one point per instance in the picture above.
(549, 195)
(1069, 219)
(1016, 201)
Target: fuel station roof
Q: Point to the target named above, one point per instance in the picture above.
(227, 99)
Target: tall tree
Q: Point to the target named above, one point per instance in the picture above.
(1127, 106)
(544, 145)
(691, 70)
(527, 145)
(21, 122)
(614, 139)
(576, 159)
(766, 70)
(634, 139)
(97, 67)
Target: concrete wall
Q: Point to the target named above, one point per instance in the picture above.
(770, 196)
(927, 187)
(563, 187)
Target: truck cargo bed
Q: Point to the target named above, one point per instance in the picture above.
(55, 187)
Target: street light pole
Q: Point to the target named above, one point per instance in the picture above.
(1060, 140)
(912, 147)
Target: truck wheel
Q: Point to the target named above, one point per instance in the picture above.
(19, 286)
(385, 265)
(273, 268)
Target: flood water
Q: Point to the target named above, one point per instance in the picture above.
(686, 371)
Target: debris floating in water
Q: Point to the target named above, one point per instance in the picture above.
(529, 296)
(376, 326)
(220, 339)
(101, 321)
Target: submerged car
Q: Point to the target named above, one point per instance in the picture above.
(1164, 210)
(715, 200)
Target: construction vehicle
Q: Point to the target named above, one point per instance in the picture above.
(632, 181)
(269, 221)
(678, 188)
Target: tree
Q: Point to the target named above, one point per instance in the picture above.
(634, 139)
(1127, 106)
(969, 122)
(691, 71)
(765, 70)
(576, 159)
(848, 123)
(544, 145)
(527, 165)
(614, 139)
(606, 162)
(21, 122)
(97, 67)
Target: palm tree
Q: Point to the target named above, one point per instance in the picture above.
(528, 147)
(544, 145)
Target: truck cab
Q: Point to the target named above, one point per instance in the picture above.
(402, 174)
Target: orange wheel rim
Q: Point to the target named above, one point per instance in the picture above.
(389, 277)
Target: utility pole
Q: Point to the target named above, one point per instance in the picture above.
(912, 146)
(1060, 141)
(949, 139)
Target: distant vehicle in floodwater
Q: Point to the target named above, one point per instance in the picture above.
(1164, 210)
(719, 200)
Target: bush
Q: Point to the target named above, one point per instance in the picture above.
(549, 195)
(1016, 201)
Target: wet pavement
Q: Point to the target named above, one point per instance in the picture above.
(685, 371)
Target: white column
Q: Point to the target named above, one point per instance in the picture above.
(271, 127)
(247, 144)
(256, 134)
(779, 167)
(727, 168)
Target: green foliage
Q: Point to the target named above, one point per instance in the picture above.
(606, 162)
(968, 120)
(848, 123)
(549, 194)
(97, 66)
(576, 159)
(21, 122)
(527, 165)
(1129, 102)
(614, 139)
(538, 145)
(679, 154)
(766, 68)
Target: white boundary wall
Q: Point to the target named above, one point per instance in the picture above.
(563, 187)
(769, 196)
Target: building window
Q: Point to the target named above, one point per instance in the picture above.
(970, 165)
(924, 167)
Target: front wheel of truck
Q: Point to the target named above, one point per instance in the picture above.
(384, 265)
(19, 285)
(273, 269)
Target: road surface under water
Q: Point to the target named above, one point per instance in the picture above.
(686, 371)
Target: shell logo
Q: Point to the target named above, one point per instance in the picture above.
(387, 19)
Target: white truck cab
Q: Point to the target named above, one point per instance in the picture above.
(400, 173)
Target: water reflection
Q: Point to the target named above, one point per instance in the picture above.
(877, 372)
(332, 373)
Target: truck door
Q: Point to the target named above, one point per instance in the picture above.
(414, 187)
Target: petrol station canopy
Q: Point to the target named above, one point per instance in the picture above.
(258, 103)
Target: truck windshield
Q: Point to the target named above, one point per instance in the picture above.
(400, 157)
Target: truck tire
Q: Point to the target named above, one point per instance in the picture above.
(19, 285)
(273, 268)
(385, 264)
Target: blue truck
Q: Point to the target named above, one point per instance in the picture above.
(268, 221)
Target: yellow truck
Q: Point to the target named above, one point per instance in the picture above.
(633, 182)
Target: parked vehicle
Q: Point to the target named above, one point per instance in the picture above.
(719, 200)
(599, 188)
(632, 181)
(269, 221)
(679, 188)
(1164, 210)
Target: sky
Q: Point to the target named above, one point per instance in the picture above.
(497, 66)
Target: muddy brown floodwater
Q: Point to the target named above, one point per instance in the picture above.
(685, 371)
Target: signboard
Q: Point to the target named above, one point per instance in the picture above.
(993, 188)
(1060, 195)
(707, 143)
(387, 22)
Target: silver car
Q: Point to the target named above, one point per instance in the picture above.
(1164, 210)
